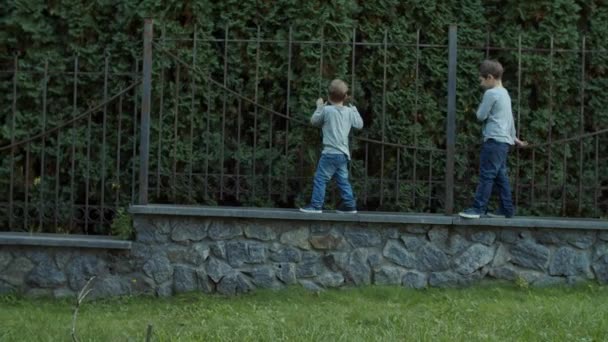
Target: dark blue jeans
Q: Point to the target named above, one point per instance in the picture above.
(493, 171)
(336, 166)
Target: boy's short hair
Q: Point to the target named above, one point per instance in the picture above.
(491, 67)
(337, 90)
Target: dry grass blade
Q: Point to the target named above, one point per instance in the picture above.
(84, 292)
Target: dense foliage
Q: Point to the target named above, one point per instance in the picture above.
(399, 89)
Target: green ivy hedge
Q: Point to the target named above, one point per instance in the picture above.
(546, 93)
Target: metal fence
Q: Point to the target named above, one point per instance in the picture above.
(71, 167)
(277, 171)
(190, 135)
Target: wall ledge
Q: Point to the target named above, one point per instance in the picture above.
(368, 217)
(62, 240)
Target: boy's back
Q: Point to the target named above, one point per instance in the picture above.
(497, 116)
(337, 122)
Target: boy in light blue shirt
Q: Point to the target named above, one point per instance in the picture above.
(336, 121)
(498, 129)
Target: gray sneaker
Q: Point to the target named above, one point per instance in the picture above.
(346, 210)
(498, 214)
(311, 210)
(470, 213)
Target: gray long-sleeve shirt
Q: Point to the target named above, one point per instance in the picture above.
(497, 116)
(336, 123)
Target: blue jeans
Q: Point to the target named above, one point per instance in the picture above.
(493, 171)
(336, 166)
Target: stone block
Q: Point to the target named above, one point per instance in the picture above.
(259, 232)
(184, 279)
(363, 237)
(414, 279)
(330, 279)
(357, 271)
(485, 237)
(46, 275)
(568, 262)
(389, 275)
(286, 254)
(286, 272)
(297, 237)
(224, 230)
(395, 252)
(474, 258)
(217, 269)
(80, 269)
(189, 230)
(528, 254)
(159, 268)
(431, 258)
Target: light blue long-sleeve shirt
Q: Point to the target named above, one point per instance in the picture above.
(336, 123)
(497, 116)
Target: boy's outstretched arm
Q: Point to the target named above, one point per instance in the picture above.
(486, 105)
(356, 118)
(520, 143)
(317, 116)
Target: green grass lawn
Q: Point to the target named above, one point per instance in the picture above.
(483, 313)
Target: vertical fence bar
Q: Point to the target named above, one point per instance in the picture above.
(352, 64)
(175, 138)
(366, 172)
(352, 94)
(161, 107)
(222, 147)
(430, 200)
(322, 45)
(289, 53)
(397, 183)
(270, 121)
(564, 180)
(144, 145)
(133, 158)
(13, 123)
(207, 135)
(383, 132)
(118, 146)
(550, 146)
(415, 154)
(192, 111)
(26, 184)
(255, 114)
(73, 152)
(103, 141)
(532, 185)
(41, 204)
(581, 131)
(518, 123)
(321, 85)
(320, 94)
(597, 184)
(488, 45)
(57, 176)
(87, 174)
(238, 144)
(451, 121)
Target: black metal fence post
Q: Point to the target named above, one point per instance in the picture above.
(451, 122)
(144, 145)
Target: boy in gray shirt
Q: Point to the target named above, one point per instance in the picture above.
(498, 129)
(336, 121)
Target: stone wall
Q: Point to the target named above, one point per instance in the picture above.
(174, 254)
